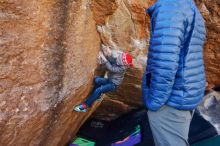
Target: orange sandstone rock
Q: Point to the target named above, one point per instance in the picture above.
(47, 60)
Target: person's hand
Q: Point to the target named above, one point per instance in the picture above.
(106, 50)
(115, 53)
(102, 58)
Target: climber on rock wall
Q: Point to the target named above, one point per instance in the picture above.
(174, 81)
(115, 63)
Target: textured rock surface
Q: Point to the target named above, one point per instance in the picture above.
(47, 60)
(210, 10)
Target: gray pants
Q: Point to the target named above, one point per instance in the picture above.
(170, 127)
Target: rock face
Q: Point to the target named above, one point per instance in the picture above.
(210, 10)
(48, 60)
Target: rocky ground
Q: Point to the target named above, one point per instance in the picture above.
(210, 108)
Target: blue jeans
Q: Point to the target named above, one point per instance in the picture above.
(101, 85)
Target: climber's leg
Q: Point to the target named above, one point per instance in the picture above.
(98, 81)
(103, 85)
(97, 93)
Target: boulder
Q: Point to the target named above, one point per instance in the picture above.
(47, 60)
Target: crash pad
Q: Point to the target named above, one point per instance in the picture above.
(214, 141)
(82, 142)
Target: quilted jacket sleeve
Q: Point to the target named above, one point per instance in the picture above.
(167, 35)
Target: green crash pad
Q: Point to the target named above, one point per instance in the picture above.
(83, 142)
(214, 141)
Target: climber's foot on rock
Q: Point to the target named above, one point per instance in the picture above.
(81, 108)
(99, 99)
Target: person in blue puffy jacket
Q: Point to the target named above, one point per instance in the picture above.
(173, 84)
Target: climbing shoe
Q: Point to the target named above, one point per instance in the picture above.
(99, 99)
(81, 108)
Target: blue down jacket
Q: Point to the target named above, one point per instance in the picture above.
(175, 69)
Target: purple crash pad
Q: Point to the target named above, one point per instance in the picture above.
(129, 141)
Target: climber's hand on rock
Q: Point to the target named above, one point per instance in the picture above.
(115, 53)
